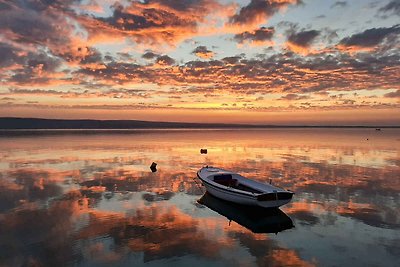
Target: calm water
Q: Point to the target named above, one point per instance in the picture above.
(91, 200)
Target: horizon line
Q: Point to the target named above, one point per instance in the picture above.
(163, 124)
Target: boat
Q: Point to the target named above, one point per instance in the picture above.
(235, 188)
(256, 219)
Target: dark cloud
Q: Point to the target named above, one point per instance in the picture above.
(126, 20)
(92, 56)
(122, 55)
(33, 91)
(231, 60)
(292, 73)
(181, 5)
(41, 36)
(8, 55)
(260, 10)
(42, 5)
(149, 55)
(203, 52)
(304, 38)
(27, 67)
(294, 97)
(36, 69)
(259, 35)
(165, 60)
(371, 37)
(395, 94)
(35, 24)
(127, 71)
(393, 7)
(151, 22)
(111, 93)
(339, 4)
(5, 6)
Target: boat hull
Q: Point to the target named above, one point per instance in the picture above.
(240, 198)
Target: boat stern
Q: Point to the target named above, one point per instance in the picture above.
(275, 199)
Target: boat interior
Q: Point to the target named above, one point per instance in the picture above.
(228, 180)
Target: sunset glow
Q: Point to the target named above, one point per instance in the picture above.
(241, 61)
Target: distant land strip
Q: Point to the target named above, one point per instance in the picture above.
(11, 123)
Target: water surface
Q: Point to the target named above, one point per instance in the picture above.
(79, 199)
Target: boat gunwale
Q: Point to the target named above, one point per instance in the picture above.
(228, 188)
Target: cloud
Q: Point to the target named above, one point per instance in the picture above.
(300, 42)
(111, 93)
(152, 22)
(38, 69)
(259, 36)
(149, 55)
(258, 11)
(395, 94)
(203, 52)
(39, 39)
(7, 55)
(165, 60)
(393, 7)
(287, 72)
(339, 4)
(63, 29)
(18, 91)
(53, 27)
(371, 38)
(294, 97)
(29, 185)
(24, 67)
(231, 60)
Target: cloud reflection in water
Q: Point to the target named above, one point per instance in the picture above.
(87, 199)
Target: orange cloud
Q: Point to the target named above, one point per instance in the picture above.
(151, 23)
(258, 11)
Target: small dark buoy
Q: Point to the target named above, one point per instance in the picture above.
(203, 151)
(153, 167)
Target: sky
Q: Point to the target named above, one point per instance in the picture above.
(278, 62)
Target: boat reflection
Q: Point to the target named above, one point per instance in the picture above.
(256, 219)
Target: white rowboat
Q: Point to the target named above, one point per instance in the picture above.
(233, 187)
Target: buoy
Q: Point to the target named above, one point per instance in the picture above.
(203, 151)
(153, 167)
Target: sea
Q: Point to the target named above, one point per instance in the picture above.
(89, 198)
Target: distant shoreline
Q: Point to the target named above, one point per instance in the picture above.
(11, 123)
